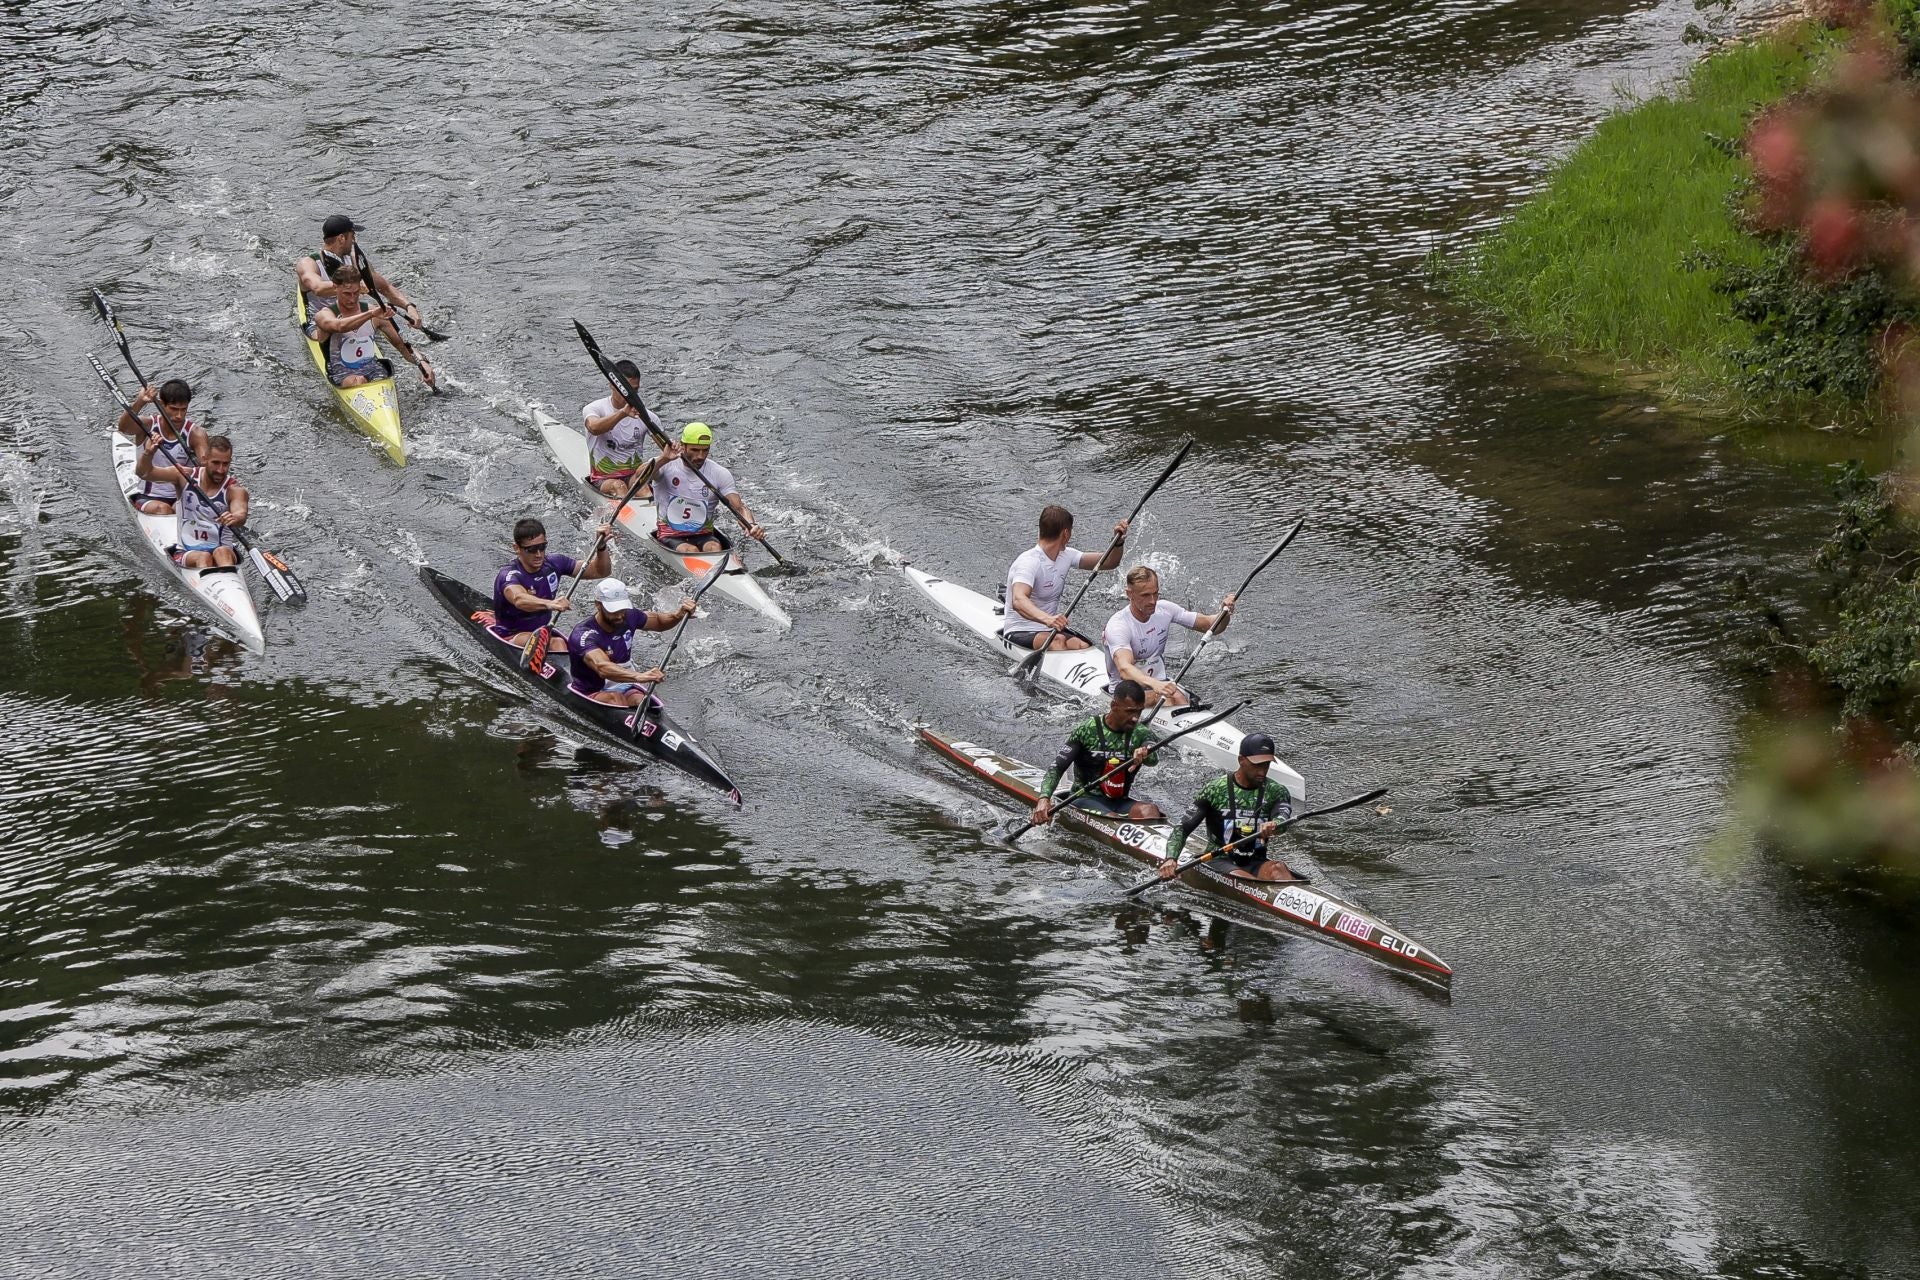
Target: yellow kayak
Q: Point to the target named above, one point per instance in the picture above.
(373, 406)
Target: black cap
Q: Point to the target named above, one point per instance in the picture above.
(338, 225)
(1256, 747)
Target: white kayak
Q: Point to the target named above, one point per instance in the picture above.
(638, 521)
(1083, 672)
(223, 592)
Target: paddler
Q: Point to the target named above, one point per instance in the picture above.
(338, 248)
(181, 439)
(1101, 743)
(211, 503)
(345, 327)
(1037, 580)
(524, 598)
(617, 436)
(602, 647)
(1240, 806)
(1135, 637)
(685, 487)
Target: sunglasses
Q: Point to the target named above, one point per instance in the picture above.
(531, 547)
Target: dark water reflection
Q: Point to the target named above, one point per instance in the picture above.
(348, 952)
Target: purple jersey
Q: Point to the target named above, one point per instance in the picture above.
(545, 584)
(617, 645)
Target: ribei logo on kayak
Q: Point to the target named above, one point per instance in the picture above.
(1354, 926)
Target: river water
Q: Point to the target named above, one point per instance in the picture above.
(348, 959)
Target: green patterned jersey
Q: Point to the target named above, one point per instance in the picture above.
(1092, 749)
(1230, 811)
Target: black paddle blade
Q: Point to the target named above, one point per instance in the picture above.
(105, 309)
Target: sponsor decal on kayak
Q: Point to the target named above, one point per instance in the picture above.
(1082, 674)
(1296, 901)
(1400, 946)
(1353, 926)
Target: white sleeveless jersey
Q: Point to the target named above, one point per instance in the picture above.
(199, 515)
(685, 505)
(1147, 640)
(355, 346)
(171, 453)
(619, 449)
(1046, 585)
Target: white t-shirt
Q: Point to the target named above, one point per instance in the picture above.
(1147, 640)
(1046, 584)
(683, 502)
(617, 450)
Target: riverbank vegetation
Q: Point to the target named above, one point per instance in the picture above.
(1635, 250)
(1751, 241)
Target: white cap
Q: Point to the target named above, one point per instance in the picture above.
(612, 596)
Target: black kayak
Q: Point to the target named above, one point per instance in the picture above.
(657, 736)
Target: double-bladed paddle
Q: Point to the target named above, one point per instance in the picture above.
(1026, 666)
(653, 700)
(1077, 792)
(631, 394)
(274, 571)
(1185, 863)
(1221, 621)
(406, 348)
(366, 269)
(534, 653)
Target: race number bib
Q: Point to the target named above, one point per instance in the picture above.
(685, 513)
(357, 348)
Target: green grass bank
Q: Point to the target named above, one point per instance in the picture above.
(1598, 262)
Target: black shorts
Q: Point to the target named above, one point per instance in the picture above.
(1103, 805)
(1031, 639)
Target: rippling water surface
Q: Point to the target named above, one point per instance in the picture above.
(348, 957)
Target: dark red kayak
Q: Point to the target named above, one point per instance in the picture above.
(655, 735)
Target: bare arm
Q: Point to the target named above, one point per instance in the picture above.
(1022, 603)
(314, 280)
(236, 505)
(1115, 549)
(391, 290)
(602, 562)
(1124, 664)
(600, 426)
(663, 621)
(607, 669)
(130, 424)
(147, 469)
(331, 321)
(527, 602)
(1215, 622)
(738, 506)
